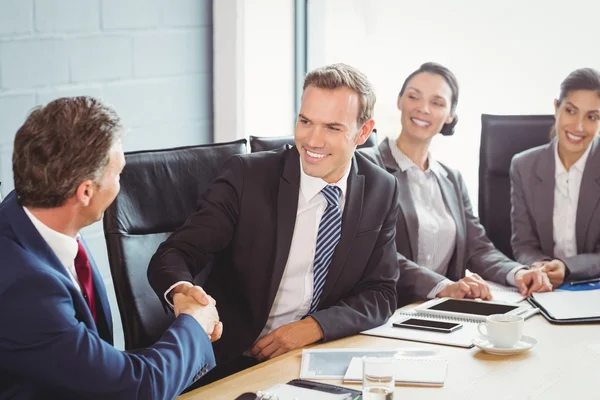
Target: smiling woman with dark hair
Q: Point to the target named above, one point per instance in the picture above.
(556, 187)
(436, 229)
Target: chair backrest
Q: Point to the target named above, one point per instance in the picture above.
(159, 190)
(263, 143)
(503, 136)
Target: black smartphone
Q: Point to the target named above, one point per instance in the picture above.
(428, 325)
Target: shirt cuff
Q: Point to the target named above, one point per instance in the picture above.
(173, 287)
(510, 277)
(438, 288)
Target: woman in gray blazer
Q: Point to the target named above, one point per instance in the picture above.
(556, 188)
(437, 235)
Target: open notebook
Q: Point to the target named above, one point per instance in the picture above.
(424, 371)
(500, 292)
(462, 337)
(508, 294)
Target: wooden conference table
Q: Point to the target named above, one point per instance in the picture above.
(565, 364)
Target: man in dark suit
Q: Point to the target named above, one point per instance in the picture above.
(55, 322)
(301, 239)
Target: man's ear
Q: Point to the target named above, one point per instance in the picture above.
(365, 131)
(85, 191)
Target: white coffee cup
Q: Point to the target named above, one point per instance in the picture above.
(502, 330)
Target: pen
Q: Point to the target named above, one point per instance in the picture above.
(529, 312)
(585, 281)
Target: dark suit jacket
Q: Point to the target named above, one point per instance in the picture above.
(473, 248)
(244, 225)
(532, 176)
(50, 347)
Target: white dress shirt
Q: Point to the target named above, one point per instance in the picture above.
(437, 228)
(65, 247)
(566, 197)
(295, 291)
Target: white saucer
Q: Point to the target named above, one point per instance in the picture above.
(526, 343)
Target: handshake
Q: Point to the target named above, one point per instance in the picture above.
(193, 301)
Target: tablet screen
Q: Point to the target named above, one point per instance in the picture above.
(472, 307)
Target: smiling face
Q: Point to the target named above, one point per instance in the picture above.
(577, 123)
(327, 131)
(425, 106)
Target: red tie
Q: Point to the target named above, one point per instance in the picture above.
(84, 274)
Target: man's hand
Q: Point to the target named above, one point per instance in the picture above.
(207, 316)
(538, 264)
(471, 287)
(556, 271)
(193, 291)
(286, 338)
(533, 280)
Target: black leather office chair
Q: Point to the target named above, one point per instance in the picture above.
(503, 136)
(159, 190)
(263, 143)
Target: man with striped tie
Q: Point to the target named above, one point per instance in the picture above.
(301, 239)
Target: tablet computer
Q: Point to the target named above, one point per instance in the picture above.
(467, 308)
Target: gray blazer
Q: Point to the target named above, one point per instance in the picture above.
(532, 177)
(473, 248)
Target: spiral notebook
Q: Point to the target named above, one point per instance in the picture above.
(508, 294)
(424, 371)
(462, 337)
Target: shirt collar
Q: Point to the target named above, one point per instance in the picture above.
(311, 186)
(579, 164)
(406, 163)
(65, 247)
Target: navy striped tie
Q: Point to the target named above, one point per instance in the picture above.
(330, 230)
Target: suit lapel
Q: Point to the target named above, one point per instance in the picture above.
(407, 206)
(589, 195)
(543, 197)
(287, 208)
(29, 237)
(350, 220)
(32, 241)
(450, 198)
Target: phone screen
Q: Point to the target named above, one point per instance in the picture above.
(428, 325)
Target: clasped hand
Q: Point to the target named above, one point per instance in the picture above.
(194, 301)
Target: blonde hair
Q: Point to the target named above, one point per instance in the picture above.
(339, 75)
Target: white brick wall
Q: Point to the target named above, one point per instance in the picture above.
(151, 59)
(19, 19)
(67, 15)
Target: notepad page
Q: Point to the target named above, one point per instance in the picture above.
(508, 294)
(288, 392)
(570, 305)
(462, 337)
(410, 370)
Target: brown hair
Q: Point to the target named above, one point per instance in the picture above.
(580, 79)
(59, 146)
(335, 76)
